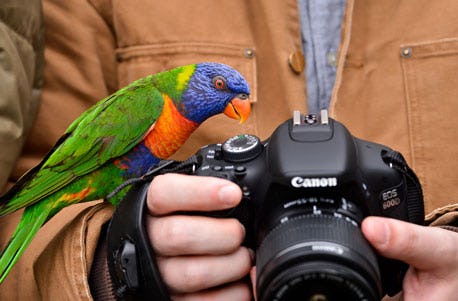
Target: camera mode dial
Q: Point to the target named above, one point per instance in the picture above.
(241, 148)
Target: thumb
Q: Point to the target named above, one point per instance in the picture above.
(425, 248)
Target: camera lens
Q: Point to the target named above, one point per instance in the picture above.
(316, 256)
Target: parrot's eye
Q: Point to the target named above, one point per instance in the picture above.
(219, 82)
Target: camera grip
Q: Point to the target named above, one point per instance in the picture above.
(131, 260)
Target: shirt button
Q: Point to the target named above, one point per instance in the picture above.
(297, 61)
(331, 58)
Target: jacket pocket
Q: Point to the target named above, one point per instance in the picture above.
(138, 61)
(430, 73)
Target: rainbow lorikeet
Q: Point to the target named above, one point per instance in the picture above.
(119, 138)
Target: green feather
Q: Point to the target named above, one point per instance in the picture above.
(106, 131)
(32, 219)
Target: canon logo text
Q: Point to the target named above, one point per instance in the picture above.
(313, 182)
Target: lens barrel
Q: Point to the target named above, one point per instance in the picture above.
(317, 257)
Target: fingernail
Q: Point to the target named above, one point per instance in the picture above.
(227, 195)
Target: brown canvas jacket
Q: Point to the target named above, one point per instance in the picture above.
(396, 84)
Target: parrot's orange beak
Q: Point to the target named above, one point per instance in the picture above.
(239, 108)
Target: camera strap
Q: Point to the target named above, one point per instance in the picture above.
(131, 259)
(416, 211)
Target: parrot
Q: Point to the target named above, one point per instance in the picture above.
(119, 138)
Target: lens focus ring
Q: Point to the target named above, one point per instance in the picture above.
(309, 238)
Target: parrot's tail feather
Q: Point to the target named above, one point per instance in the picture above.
(28, 176)
(22, 236)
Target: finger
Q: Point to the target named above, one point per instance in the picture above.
(188, 235)
(253, 280)
(422, 247)
(189, 274)
(235, 291)
(174, 192)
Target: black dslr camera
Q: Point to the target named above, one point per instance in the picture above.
(306, 190)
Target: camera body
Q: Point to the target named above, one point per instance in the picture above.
(306, 190)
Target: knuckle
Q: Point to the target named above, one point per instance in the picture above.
(183, 276)
(174, 236)
(407, 240)
(194, 277)
(411, 242)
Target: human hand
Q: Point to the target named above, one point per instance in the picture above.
(200, 258)
(431, 252)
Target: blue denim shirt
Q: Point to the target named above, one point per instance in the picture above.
(321, 22)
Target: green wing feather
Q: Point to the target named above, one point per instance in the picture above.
(106, 131)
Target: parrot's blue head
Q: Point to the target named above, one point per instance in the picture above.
(215, 88)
